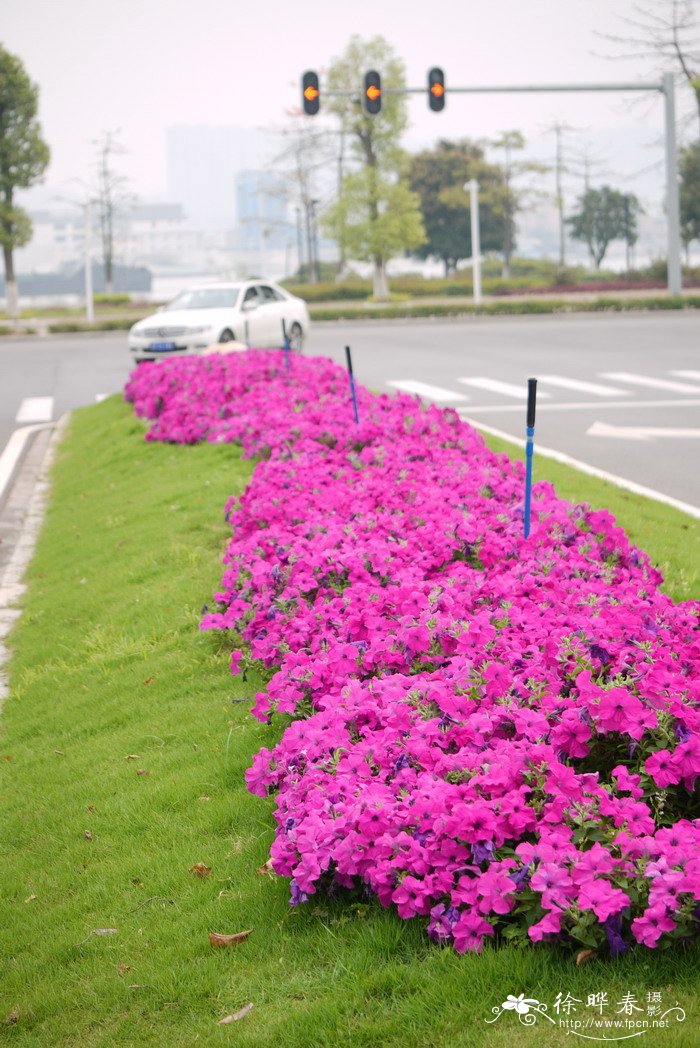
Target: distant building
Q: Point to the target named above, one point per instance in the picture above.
(262, 211)
(202, 165)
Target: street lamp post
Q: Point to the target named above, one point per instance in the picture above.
(473, 187)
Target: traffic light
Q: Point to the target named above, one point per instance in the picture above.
(310, 93)
(436, 89)
(373, 92)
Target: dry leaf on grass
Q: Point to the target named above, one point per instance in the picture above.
(30, 898)
(265, 868)
(133, 757)
(142, 771)
(97, 931)
(200, 870)
(122, 968)
(245, 1010)
(87, 834)
(585, 955)
(229, 940)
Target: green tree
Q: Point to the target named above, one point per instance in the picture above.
(690, 193)
(438, 176)
(24, 156)
(604, 215)
(376, 215)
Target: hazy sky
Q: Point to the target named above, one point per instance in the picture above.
(143, 65)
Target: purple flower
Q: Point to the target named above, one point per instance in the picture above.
(296, 895)
(482, 851)
(681, 732)
(613, 931)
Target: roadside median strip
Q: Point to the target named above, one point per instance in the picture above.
(109, 675)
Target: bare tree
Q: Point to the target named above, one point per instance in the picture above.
(666, 33)
(513, 199)
(110, 199)
(307, 155)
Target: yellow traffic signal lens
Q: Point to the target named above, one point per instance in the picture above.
(374, 93)
(311, 93)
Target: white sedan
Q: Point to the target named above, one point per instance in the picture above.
(255, 312)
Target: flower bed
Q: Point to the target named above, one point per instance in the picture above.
(497, 735)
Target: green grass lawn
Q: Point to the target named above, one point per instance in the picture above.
(122, 751)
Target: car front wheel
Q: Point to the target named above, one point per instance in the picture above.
(227, 336)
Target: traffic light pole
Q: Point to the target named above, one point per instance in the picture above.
(666, 87)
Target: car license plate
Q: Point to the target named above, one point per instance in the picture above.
(162, 347)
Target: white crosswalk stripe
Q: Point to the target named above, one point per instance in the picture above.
(35, 409)
(693, 375)
(424, 389)
(507, 389)
(650, 383)
(610, 394)
(583, 387)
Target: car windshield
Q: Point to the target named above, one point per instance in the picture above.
(205, 298)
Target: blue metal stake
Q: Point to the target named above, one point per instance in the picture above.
(287, 347)
(529, 448)
(352, 384)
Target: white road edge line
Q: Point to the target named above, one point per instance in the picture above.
(12, 584)
(13, 450)
(593, 471)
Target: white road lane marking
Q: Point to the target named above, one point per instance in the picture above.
(424, 389)
(604, 429)
(585, 405)
(494, 386)
(583, 387)
(35, 409)
(649, 382)
(693, 375)
(593, 471)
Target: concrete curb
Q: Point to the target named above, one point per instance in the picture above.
(12, 586)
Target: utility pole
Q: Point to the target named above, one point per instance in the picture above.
(559, 130)
(89, 303)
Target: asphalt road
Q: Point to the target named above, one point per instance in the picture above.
(618, 391)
